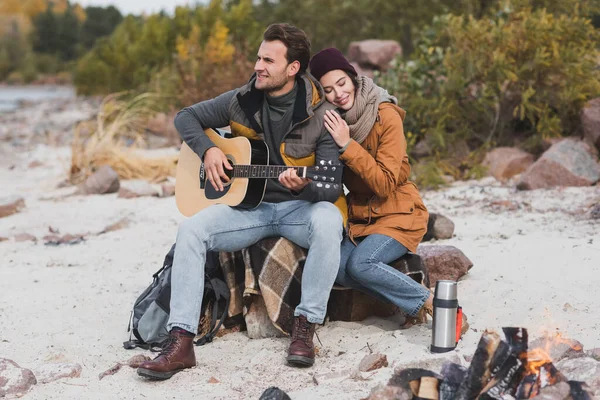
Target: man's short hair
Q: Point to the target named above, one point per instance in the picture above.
(296, 41)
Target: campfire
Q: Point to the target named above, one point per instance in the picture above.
(499, 369)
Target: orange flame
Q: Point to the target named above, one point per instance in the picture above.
(536, 358)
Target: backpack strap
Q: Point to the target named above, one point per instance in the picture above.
(221, 293)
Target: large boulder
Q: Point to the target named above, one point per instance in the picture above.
(444, 262)
(438, 227)
(14, 380)
(566, 163)
(374, 54)
(505, 162)
(104, 180)
(590, 119)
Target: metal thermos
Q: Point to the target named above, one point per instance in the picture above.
(445, 306)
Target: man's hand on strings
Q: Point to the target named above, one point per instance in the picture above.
(290, 179)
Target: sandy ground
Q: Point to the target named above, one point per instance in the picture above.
(536, 266)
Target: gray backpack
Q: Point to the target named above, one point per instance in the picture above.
(150, 314)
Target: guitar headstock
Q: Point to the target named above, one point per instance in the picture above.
(326, 174)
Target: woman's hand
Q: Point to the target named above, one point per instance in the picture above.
(337, 127)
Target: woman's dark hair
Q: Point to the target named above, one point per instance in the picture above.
(296, 41)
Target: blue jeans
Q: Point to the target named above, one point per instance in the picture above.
(365, 267)
(314, 226)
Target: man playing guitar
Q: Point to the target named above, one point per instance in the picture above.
(283, 106)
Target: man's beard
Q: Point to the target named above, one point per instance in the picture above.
(275, 85)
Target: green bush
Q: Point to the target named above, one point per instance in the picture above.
(521, 77)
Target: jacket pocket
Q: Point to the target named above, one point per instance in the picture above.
(395, 212)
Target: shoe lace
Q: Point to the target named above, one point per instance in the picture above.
(170, 346)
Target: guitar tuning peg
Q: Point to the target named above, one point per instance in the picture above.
(330, 162)
(315, 177)
(327, 186)
(333, 168)
(323, 178)
(322, 162)
(325, 168)
(332, 179)
(316, 168)
(319, 185)
(335, 186)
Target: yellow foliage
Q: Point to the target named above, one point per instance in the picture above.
(31, 8)
(219, 49)
(59, 6)
(79, 13)
(190, 46)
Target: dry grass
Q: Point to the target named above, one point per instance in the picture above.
(114, 138)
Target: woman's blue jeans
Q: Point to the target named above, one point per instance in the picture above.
(366, 267)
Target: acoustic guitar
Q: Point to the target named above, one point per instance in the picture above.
(247, 179)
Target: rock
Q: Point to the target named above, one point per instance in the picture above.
(137, 360)
(422, 149)
(258, 323)
(559, 391)
(11, 205)
(103, 181)
(372, 362)
(595, 211)
(434, 362)
(24, 237)
(162, 128)
(168, 189)
(567, 163)
(558, 348)
(583, 369)
(383, 392)
(505, 162)
(439, 227)
(274, 393)
(594, 353)
(51, 372)
(139, 188)
(14, 380)
(590, 119)
(363, 71)
(212, 379)
(444, 262)
(374, 54)
(352, 305)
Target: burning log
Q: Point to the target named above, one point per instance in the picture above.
(454, 375)
(423, 384)
(508, 374)
(479, 373)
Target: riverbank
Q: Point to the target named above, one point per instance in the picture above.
(535, 265)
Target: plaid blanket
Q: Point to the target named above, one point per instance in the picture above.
(273, 268)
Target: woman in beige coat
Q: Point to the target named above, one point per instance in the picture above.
(386, 216)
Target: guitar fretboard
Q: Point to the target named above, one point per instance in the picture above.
(263, 171)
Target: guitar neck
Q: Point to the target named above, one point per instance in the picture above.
(264, 171)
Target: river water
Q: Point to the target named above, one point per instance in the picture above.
(12, 96)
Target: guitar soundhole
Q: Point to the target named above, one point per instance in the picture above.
(229, 172)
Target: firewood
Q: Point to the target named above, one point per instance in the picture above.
(453, 375)
(479, 373)
(428, 388)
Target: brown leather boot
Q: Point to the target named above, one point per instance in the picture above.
(177, 354)
(302, 350)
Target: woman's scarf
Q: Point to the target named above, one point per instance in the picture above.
(361, 117)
